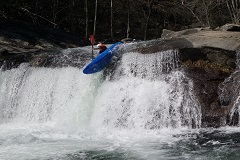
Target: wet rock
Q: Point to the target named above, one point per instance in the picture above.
(206, 83)
(3, 52)
(13, 60)
(229, 92)
(212, 57)
(39, 60)
(204, 37)
(163, 45)
(230, 27)
(126, 40)
(166, 34)
(210, 63)
(208, 68)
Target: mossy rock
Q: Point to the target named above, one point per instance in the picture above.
(208, 57)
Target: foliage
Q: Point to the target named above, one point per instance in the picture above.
(147, 17)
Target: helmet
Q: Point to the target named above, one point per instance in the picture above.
(100, 45)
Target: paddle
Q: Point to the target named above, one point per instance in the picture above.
(92, 40)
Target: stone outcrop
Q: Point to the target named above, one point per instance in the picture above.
(230, 27)
(210, 61)
(208, 68)
(209, 38)
(229, 93)
(208, 57)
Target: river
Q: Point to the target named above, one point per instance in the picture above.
(144, 109)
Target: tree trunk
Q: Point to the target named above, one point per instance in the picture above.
(112, 36)
(54, 13)
(184, 4)
(128, 25)
(71, 6)
(233, 7)
(86, 10)
(36, 11)
(95, 18)
(206, 13)
(148, 17)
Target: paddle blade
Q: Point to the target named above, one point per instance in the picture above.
(92, 39)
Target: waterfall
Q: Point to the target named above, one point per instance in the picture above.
(149, 66)
(146, 91)
(238, 59)
(60, 96)
(232, 92)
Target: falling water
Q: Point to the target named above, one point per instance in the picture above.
(40, 95)
(234, 80)
(144, 109)
(149, 92)
(238, 59)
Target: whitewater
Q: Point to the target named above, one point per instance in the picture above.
(143, 107)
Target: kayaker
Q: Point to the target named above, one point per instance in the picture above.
(101, 47)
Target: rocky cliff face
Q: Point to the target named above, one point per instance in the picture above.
(210, 59)
(207, 57)
(208, 70)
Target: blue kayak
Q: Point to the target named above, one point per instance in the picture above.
(102, 60)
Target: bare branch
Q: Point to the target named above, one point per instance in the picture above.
(193, 14)
(26, 10)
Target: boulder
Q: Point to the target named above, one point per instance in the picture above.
(210, 61)
(230, 27)
(208, 68)
(207, 64)
(229, 91)
(206, 38)
(3, 52)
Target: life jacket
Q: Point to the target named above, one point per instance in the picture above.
(102, 47)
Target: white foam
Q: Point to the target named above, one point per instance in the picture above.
(51, 112)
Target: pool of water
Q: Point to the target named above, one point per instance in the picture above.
(45, 142)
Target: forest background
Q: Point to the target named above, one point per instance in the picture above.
(117, 19)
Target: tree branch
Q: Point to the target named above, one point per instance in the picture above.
(193, 14)
(26, 10)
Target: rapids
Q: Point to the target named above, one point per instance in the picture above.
(143, 109)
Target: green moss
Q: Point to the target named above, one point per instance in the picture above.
(207, 64)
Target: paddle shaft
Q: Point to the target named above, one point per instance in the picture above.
(92, 52)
